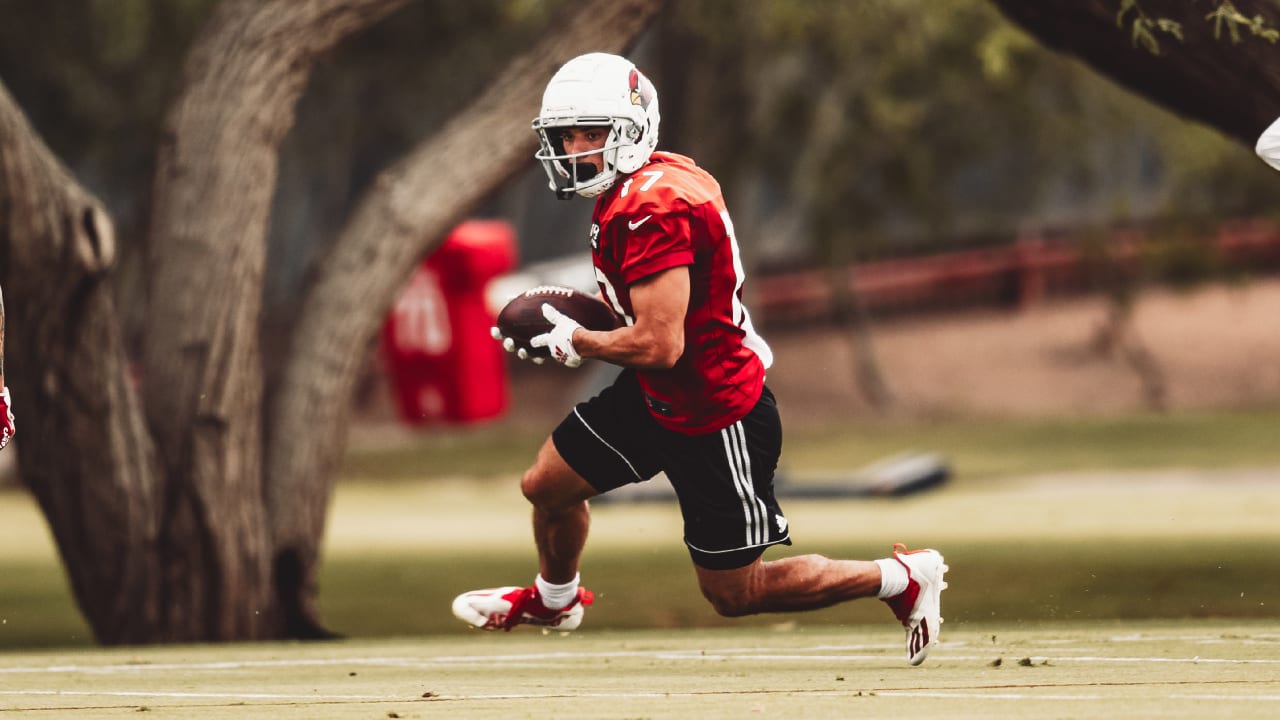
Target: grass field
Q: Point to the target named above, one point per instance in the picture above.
(1099, 569)
(1191, 669)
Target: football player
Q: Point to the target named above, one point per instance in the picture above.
(691, 401)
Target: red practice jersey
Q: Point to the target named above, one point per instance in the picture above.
(667, 214)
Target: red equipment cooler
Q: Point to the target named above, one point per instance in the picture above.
(443, 364)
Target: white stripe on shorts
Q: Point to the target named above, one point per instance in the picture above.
(605, 443)
(755, 515)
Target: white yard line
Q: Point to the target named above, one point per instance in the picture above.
(824, 653)
(957, 694)
(196, 695)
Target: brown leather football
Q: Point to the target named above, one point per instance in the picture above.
(521, 319)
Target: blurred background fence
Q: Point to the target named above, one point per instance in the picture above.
(1035, 268)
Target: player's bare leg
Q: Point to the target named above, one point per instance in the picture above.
(561, 517)
(805, 582)
(910, 583)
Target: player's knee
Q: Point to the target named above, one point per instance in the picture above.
(733, 593)
(548, 490)
(729, 604)
(535, 487)
(550, 484)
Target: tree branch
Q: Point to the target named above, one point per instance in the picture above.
(408, 210)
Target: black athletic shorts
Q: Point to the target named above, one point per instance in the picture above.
(723, 479)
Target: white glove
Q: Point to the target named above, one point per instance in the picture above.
(510, 346)
(559, 342)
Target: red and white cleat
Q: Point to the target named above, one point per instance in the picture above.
(919, 607)
(506, 607)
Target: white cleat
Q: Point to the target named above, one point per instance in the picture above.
(919, 607)
(505, 607)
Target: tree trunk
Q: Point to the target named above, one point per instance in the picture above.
(850, 313)
(1233, 87)
(408, 210)
(84, 452)
(203, 374)
(163, 541)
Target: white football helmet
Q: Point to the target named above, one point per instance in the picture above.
(597, 90)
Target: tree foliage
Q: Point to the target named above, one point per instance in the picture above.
(861, 129)
(836, 127)
(1212, 70)
(1226, 19)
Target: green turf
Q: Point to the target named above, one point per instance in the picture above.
(1004, 582)
(1004, 448)
(36, 609)
(981, 449)
(476, 452)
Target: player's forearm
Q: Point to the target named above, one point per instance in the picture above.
(631, 347)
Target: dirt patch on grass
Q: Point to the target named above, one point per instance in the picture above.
(1214, 348)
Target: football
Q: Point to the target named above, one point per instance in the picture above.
(521, 318)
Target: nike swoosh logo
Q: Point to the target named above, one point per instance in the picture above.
(638, 223)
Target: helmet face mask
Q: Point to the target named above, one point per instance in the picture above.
(570, 173)
(596, 90)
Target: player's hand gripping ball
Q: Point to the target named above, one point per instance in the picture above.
(523, 319)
